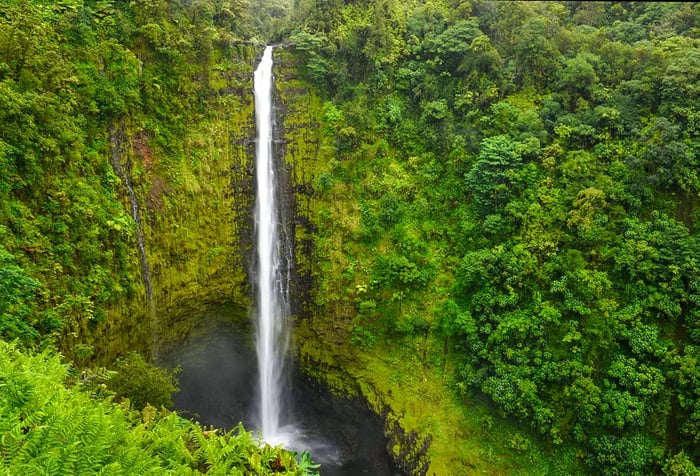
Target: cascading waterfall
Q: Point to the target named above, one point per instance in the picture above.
(344, 437)
(272, 301)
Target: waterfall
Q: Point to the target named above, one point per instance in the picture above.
(117, 138)
(272, 284)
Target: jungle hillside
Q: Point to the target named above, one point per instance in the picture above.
(496, 225)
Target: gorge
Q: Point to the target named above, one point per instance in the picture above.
(286, 407)
(490, 212)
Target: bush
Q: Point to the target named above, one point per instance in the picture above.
(143, 383)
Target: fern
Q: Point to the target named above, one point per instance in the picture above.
(55, 429)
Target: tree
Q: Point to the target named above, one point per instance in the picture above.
(536, 57)
(491, 180)
(576, 79)
(680, 91)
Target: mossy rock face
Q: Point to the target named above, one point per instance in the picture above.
(299, 159)
(195, 200)
(337, 367)
(321, 345)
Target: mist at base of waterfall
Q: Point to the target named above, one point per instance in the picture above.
(218, 387)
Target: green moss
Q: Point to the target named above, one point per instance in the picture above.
(195, 204)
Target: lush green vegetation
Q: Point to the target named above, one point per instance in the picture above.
(96, 96)
(52, 422)
(92, 93)
(510, 190)
(503, 210)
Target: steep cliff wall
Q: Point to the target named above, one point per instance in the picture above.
(195, 200)
(125, 171)
(322, 339)
(196, 207)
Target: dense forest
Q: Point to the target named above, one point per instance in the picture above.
(503, 207)
(76, 80)
(518, 188)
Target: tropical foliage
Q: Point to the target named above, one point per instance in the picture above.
(508, 191)
(50, 424)
(523, 181)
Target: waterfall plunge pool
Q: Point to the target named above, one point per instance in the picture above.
(218, 385)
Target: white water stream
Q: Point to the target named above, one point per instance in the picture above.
(272, 306)
(273, 279)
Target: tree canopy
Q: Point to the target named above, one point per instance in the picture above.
(534, 206)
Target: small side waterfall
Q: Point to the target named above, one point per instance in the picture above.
(272, 280)
(117, 138)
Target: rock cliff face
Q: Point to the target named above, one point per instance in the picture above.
(322, 346)
(195, 205)
(196, 213)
